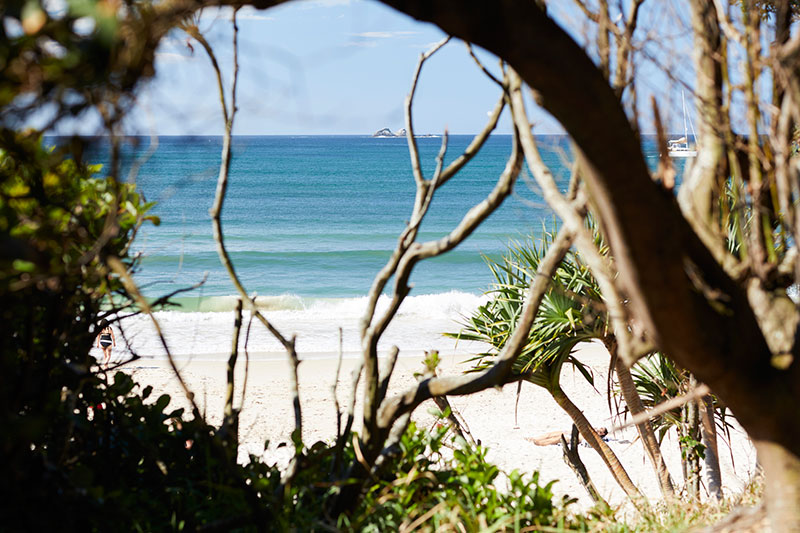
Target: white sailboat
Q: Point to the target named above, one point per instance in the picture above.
(680, 147)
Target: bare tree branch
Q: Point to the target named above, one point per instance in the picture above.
(477, 143)
(591, 15)
(482, 66)
(625, 47)
(665, 171)
(727, 26)
(343, 436)
(387, 373)
(246, 359)
(416, 252)
(407, 252)
(230, 422)
(573, 220)
(297, 434)
(694, 394)
(119, 269)
(412, 142)
(409, 234)
(500, 372)
(335, 386)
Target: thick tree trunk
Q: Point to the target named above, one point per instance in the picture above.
(782, 491)
(678, 291)
(606, 453)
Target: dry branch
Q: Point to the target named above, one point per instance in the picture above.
(573, 460)
(216, 219)
(573, 219)
(297, 434)
(336, 385)
(341, 440)
(394, 351)
(408, 252)
(119, 268)
(412, 142)
(694, 394)
(230, 423)
(666, 170)
(246, 359)
(500, 372)
(482, 66)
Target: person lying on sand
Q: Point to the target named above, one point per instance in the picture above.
(554, 437)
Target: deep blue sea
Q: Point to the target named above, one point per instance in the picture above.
(310, 220)
(319, 216)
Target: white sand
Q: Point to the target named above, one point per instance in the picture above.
(268, 415)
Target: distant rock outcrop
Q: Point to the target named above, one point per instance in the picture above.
(386, 133)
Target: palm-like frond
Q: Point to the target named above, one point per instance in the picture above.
(570, 312)
(657, 380)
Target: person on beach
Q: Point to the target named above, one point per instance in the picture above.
(554, 437)
(106, 340)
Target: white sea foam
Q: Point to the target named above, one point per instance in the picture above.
(418, 326)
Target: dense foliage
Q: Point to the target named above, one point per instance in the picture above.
(97, 452)
(443, 486)
(81, 450)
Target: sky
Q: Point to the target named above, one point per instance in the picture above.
(328, 67)
(319, 67)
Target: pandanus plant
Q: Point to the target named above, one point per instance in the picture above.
(571, 312)
(657, 380)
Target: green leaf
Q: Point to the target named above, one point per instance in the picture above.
(20, 265)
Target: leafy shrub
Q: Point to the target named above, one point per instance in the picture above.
(81, 450)
(438, 486)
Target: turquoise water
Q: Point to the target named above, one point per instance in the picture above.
(317, 217)
(309, 221)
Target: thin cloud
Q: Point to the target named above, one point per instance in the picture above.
(361, 44)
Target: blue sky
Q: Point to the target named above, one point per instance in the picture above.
(323, 67)
(318, 67)
(341, 67)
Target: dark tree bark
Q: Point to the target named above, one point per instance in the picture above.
(693, 309)
(678, 291)
(573, 459)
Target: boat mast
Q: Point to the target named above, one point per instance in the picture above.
(685, 129)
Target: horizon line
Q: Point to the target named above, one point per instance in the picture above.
(420, 135)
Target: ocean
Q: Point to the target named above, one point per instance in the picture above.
(309, 221)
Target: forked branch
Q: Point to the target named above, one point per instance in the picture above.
(219, 236)
(573, 219)
(500, 372)
(408, 252)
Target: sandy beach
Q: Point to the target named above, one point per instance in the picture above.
(267, 415)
